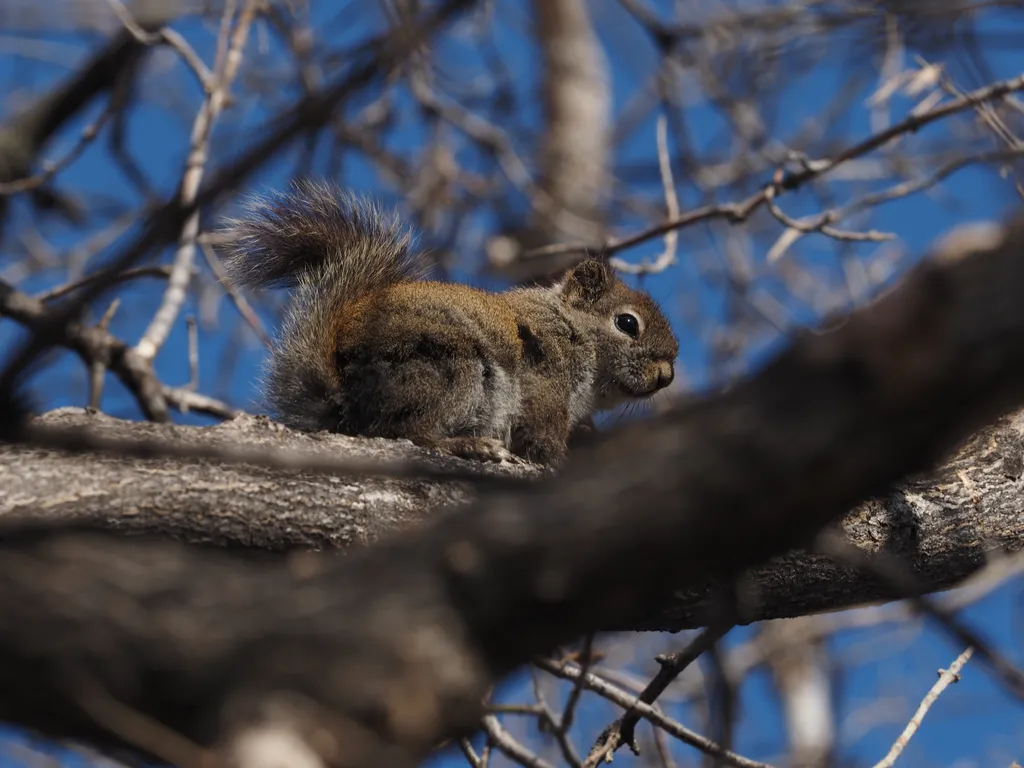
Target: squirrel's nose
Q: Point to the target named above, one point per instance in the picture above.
(666, 372)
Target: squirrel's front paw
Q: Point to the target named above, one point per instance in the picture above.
(479, 449)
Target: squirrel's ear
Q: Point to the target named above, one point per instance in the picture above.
(588, 281)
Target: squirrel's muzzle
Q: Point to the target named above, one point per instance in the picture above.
(666, 373)
(656, 376)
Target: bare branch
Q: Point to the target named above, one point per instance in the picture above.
(946, 677)
(646, 711)
(100, 351)
(668, 255)
(812, 169)
(160, 327)
(622, 731)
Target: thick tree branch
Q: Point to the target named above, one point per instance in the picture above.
(229, 504)
(943, 523)
(576, 93)
(371, 658)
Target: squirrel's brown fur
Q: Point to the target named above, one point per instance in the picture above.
(369, 349)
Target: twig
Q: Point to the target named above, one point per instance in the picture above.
(98, 368)
(193, 354)
(470, 753)
(128, 274)
(906, 188)
(223, 36)
(586, 660)
(167, 36)
(721, 697)
(52, 168)
(622, 731)
(141, 730)
(78, 255)
(946, 677)
(529, 710)
(156, 334)
(241, 303)
(738, 212)
(630, 702)
(172, 39)
(821, 223)
(186, 400)
(892, 572)
(989, 116)
(551, 723)
(668, 256)
(511, 748)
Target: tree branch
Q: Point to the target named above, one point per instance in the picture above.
(374, 657)
(97, 347)
(24, 136)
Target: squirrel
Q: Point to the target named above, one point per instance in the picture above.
(368, 347)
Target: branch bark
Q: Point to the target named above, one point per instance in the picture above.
(576, 92)
(230, 505)
(943, 524)
(372, 658)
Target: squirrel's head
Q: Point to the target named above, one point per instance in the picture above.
(636, 349)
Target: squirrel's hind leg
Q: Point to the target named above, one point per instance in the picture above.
(436, 395)
(477, 448)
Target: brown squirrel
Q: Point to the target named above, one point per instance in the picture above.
(369, 348)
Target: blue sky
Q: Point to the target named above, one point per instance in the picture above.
(974, 723)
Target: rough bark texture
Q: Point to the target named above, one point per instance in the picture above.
(233, 505)
(943, 523)
(372, 658)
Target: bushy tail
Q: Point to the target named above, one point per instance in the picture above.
(329, 247)
(318, 232)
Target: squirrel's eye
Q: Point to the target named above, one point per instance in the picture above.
(628, 324)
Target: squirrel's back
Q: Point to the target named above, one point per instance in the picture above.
(331, 248)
